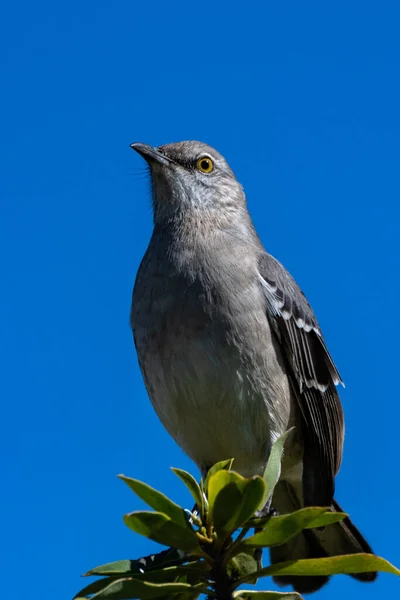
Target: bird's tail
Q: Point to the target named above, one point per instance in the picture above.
(336, 539)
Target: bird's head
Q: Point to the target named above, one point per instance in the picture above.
(191, 178)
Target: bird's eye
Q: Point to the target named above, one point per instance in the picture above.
(205, 164)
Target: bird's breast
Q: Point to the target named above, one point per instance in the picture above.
(210, 365)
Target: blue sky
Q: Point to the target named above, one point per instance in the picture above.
(303, 100)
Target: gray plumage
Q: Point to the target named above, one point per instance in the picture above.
(229, 347)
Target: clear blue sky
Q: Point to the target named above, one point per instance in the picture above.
(303, 100)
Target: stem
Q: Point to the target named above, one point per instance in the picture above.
(231, 550)
(222, 583)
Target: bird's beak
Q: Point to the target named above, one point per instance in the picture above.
(150, 154)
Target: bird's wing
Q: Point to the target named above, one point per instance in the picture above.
(314, 378)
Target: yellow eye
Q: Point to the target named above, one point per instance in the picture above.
(205, 164)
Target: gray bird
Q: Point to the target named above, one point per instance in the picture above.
(230, 350)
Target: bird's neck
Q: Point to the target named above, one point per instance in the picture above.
(194, 239)
(192, 227)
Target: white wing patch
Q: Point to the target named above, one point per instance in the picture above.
(272, 300)
(276, 307)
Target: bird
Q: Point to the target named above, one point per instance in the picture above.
(230, 350)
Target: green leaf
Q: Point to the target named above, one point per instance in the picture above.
(281, 529)
(225, 465)
(225, 489)
(273, 469)
(252, 496)
(258, 595)
(193, 486)
(192, 580)
(195, 570)
(348, 564)
(122, 589)
(218, 481)
(192, 573)
(189, 596)
(327, 518)
(162, 529)
(165, 558)
(119, 567)
(224, 498)
(242, 564)
(93, 588)
(157, 500)
(233, 499)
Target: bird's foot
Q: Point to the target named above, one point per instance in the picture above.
(266, 511)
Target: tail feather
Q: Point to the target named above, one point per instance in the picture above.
(349, 541)
(303, 546)
(339, 538)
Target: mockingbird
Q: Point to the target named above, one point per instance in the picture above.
(229, 347)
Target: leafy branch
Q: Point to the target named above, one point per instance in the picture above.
(211, 551)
